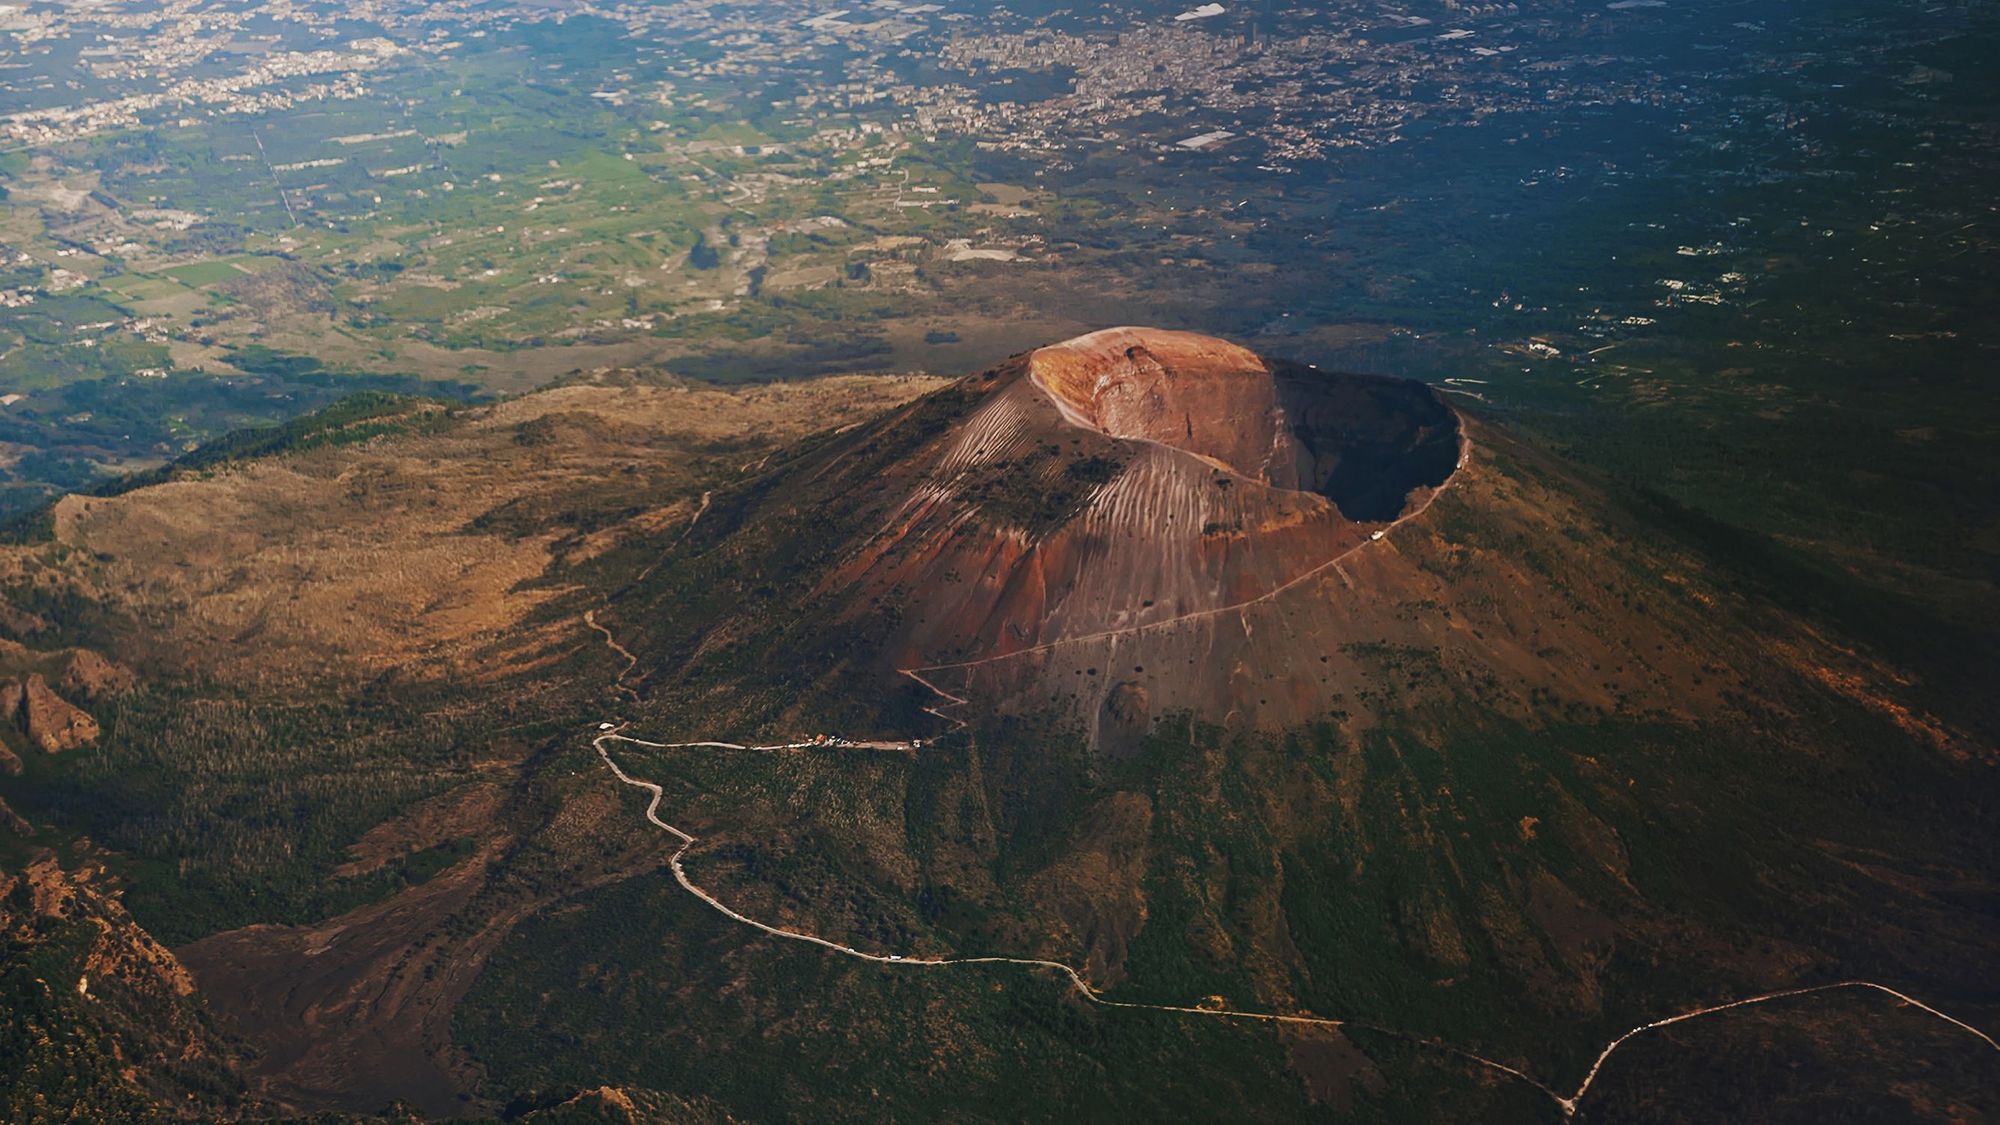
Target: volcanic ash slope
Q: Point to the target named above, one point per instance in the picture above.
(1138, 523)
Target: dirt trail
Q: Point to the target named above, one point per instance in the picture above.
(631, 662)
(699, 512)
(1376, 538)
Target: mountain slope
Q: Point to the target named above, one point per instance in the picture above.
(102, 1021)
(1525, 772)
(1058, 535)
(1522, 772)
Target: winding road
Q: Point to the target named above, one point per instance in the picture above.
(1568, 1104)
(1076, 979)
(1378, 536)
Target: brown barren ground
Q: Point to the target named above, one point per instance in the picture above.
(417, 558)
(342, 564)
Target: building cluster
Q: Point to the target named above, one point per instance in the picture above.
(1285, 92)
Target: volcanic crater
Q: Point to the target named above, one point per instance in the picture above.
(1363, 442)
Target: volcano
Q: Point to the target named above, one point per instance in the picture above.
(1235, 687)
(1114, 496)
(1364, 444)
(1301, 683)
(1141, 522)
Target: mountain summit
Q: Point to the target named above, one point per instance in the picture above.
(1133, 478)
(1363, 443)
(1139, 522)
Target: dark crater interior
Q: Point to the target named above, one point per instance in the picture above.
(1366, 441)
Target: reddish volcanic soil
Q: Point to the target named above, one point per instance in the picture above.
(1139, 523)
(1177, 517)
(1215, 479)
(1194, 393)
